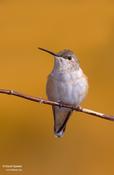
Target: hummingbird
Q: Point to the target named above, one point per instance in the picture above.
(66, 84)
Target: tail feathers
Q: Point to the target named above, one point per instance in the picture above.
(61, 116)
(60, 133)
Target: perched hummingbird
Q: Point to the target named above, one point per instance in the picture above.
(66, 84)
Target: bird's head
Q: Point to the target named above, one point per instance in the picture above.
(64, 60)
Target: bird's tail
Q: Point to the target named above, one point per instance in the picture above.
(60, 133)
(61, 116)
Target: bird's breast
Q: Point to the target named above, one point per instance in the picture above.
(69, 88)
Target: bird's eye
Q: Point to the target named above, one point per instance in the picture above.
(69, 57)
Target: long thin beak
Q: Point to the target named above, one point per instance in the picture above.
(50, 52)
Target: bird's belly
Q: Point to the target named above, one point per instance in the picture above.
(68, 92)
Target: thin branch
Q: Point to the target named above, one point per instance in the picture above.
(44, 101)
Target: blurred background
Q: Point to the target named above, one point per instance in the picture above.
(26, 128)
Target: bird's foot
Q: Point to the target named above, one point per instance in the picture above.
(60, 104)
(79, 108)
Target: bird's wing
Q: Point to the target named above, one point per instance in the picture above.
(61, 116)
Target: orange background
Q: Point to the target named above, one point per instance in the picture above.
(26, 128)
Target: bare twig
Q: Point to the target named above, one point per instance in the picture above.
(44, 101)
